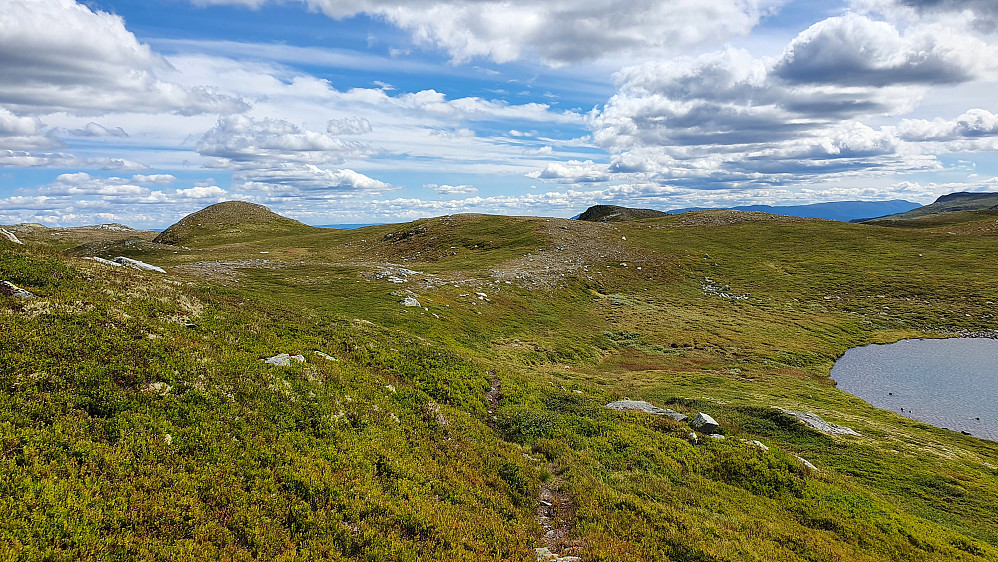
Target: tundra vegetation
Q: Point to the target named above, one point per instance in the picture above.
(138, 419)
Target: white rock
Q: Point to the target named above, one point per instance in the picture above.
(704, 423)
(104, 261)
(813, 420)
(409, 301)
(807, 464)
(4, 233)
(138, 264)
(325, 356)
(642, 406)
(284, 359)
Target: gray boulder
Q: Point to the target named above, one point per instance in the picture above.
(11, 290)
(284, 359)
(642, 406)
(814, 421)
(704, 423)
(409, 301)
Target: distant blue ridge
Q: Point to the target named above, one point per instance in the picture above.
(843, 211)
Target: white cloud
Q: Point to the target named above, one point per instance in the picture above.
(93, 129)
(854, 50)
(730, 119)
(452, 189)
(238, 141)
(349, 126)
(975, 123)
(556, 31)
(23, 133)
(573, 171)
(58, 55)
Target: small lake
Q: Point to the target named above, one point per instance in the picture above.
(951, 383)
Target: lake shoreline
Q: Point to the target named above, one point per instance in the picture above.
(945, 382)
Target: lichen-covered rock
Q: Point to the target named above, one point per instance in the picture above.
(642, 406)
(409, 301)
(704, 423)
(814, 421)
(284, 359)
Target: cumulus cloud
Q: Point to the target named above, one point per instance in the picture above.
(556, 31)
(976, 123)
(59, 55)
(728, 118)
(23, 133)
(572, 171)
(854, 50)
(238, 141)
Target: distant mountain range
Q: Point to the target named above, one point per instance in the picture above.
(844, 211)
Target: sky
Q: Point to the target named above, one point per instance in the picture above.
(364, 111)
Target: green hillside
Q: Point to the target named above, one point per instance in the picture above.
(138, 419)
(950, 203)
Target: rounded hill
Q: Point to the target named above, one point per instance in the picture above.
(229, 217)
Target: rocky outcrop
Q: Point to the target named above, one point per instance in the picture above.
(409, 301)
(814, 421)
(642, 406)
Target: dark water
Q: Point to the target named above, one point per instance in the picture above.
(951, 383)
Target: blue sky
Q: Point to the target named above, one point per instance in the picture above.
(335, 111)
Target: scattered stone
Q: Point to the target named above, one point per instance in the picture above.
(807, 464)
(9, 289)
(409, 301)
(692, 438)
(814, 421)
(717, 436)
(759, 444)
(129, 262)
(325, 356)
(160, 388)
(704, 423)
(642, 406)
(10, 236)
(284, 359)
(434, 410)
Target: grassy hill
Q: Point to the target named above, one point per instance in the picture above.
(138, 420)
(953, 202)
(231, 220)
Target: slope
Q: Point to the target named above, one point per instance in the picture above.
(137, 417)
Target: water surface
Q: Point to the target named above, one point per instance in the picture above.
(951, 383)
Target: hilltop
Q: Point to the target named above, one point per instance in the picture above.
(227, 218)
(951, 203)
(615, 213)
(476, 387)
